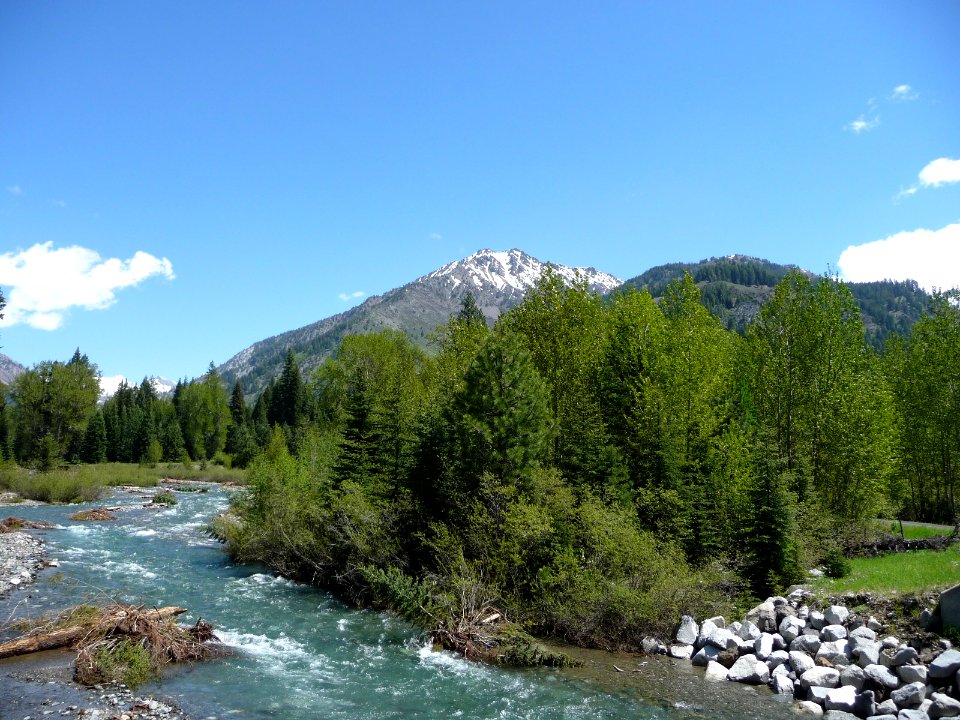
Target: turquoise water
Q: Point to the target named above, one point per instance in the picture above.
(298, 652)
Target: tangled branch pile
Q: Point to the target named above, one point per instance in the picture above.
(119, 643)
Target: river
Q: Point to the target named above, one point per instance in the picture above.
(298, 652)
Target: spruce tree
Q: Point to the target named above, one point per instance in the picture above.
(95, 440)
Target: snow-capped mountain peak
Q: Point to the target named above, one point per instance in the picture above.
(110, 383)
(514, 270)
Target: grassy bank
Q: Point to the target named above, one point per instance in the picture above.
(898, 573)
(85, 483)
(914, 531)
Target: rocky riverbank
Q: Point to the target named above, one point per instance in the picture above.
(833, 662)
(21, 557)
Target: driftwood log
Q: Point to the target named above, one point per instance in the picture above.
(64, 637)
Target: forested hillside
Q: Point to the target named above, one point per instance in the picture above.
(497, 281)
(734, 288)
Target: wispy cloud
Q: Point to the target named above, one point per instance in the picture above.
(355, 295)
(902, 93)
(46, 282)
(942, 171)
(931, 257)
(436, 236)
(14, 190)
(59, 203)
(862, 124)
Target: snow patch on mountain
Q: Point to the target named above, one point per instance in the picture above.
(109, 385)
(515, 270)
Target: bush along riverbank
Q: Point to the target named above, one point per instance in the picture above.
(832, 661)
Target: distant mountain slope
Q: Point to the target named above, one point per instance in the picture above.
(9, 369)
(735, 287)
(498, 281)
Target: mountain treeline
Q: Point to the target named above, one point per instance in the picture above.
(592, 468)
(734, 289)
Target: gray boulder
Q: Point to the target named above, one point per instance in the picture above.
(706, 627)
(912, 673)
(791, 627)
(863, 632)
(853, 676)
(778, 642)
(763, 646)
(833, 632)
(820, 677)
(839, 715)
(764, 616)
(841, 698)
(945, 664)
(909, 696)
(715, 672)
(837, 652)
(904, 656)
(688, 631)
(818, 694)
(882, 717)
(868, 654)
(749, 631)
(890, 642)
(806, 643)
(681, 652)
(943, 706)
(807, 707)
(816, 620)
(704, 655)
(836, 615)
(781, 685)
(881, 676)
(874, 624)
(912, 715)
(749, 670)
(718, 621)
(801, 661)
(887, 707)
(778, 658)
(722, 639)
(950, 607)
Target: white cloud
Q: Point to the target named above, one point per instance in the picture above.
(931, 257)
(436, 236)
(347, 297)
(904, 92)
(59, 203)
(862, 124)
(942, 171)
(46, 282)
(14, 190)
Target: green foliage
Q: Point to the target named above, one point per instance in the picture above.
(204, 415)
(919, 571)
(52, 403)
(165, 497)
(124, 661)
(835, 564)
(74, 485)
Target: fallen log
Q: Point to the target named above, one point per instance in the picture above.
(65, 637)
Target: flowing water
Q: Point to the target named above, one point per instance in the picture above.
(298, 652)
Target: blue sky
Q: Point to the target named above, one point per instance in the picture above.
(179, 180)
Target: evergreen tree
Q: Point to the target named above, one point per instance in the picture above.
(238, 405)
(469, 312)
(95, 440)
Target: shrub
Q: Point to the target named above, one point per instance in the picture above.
(165, 497)
(835, 565)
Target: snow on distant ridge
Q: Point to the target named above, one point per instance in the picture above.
(110, 383)
(517, 270)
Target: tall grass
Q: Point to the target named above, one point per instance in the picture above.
(74, 485)
(898, 573)
(85, 483)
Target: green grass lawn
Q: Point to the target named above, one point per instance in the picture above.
(912, 531)
(909, 572)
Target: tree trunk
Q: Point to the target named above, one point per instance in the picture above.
(69, 635)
